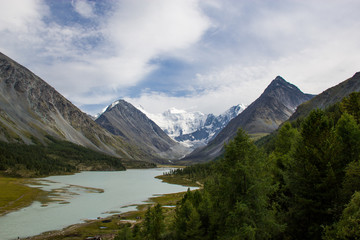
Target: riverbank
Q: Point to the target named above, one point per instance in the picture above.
(179, 180)
(14, 194)
(75, 198)
(107, 228)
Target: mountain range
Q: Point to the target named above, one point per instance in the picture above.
(275, 105)
(31, 110)
(193, 129)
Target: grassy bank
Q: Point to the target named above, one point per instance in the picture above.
(180, 180)
(14, 194)
(108, 227)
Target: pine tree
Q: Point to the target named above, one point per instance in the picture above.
(348, 227)
(312, 178)
(351, 105)
(153, 223)
(239, 193)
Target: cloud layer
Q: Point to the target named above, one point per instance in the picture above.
(192, 54)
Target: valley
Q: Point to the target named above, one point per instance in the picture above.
(179, 120)
(238, 156)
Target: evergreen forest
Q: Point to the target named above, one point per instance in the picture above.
(57, 157)
(301, 182)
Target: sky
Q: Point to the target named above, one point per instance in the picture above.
(196, 55)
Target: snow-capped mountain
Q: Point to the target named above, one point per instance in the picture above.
(193, 129)
(176, 122)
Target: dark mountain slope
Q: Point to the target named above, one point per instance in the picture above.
(277, 103)
(30, 109)
(329, 97)
(123, 119)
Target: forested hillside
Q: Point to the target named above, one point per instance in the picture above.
(302, 184)
(57, 157)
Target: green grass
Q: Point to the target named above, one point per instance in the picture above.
(257, 136)
(168, 199)
(15, 195)
(179, 179)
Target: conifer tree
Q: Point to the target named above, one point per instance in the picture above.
(153, 223)
(348, 227)
(239, 193)
(312, 179)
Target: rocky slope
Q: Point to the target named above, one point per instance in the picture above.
(329, 96)
(275, 105)
(123, 119)
(30, 109)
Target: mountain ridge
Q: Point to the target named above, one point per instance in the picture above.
(123, 119)
(274, 106)
(329, 97)
(31, 109)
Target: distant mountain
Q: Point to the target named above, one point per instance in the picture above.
(211, 127)
(193, 129)
(176, 122)
(123, 119)
(329, 96)
(30, 110)
(275, 105)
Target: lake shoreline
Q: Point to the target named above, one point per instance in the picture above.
(19, 194)
(120, 218)
(130, 217)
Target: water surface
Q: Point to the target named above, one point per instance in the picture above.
(81, 197)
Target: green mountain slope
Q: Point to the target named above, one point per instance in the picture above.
(329, 97)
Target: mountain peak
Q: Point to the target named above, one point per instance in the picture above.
(280, 84)
(263, 116)
(32, 110)
(279, 79)
(123, 119)
(356, 75)
(117, 102)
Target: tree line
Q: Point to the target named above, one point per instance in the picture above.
(57, 157)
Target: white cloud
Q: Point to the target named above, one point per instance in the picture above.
(210, 101)
(150, 28)
(235, 47)
(141, 31)
(84, 8)
(132, 35)
(17, 15)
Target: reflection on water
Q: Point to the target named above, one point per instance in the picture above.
(86, 195)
